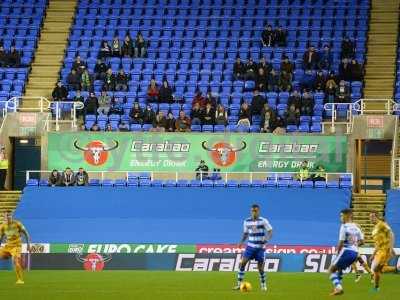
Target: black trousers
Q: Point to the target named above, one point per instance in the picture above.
(3, 175)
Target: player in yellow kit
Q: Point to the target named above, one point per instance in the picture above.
(12, 230)
(383, 238)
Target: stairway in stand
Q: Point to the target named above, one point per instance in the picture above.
(381, 54)
(50, 52)
(9, 201)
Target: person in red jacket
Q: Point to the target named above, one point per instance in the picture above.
(152, 91)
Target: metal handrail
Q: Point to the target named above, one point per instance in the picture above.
(58, 109)
(349, 118)
(389, 106)
(14, 104)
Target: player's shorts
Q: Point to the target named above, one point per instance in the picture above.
(381, 258)
(258, 254)
(345, 259)
(10, 251)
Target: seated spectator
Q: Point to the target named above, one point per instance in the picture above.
(267, 108)
(117, 106)
(330, 91)
(170, 126)
(108, 127)
(115, 47)
(250, 70)
(286, 65)
(266, 66)
(100, 70)
(348, 48)
(127, 47)
(140, 46)
(267, 36)
(202, 171)
(268, 123)
(280, 37)
(295, 99)
(152, 91)
(68, 177)
(238, 69)
(165, 93)
(308, 80)
(208, 115)
(159, 123)
(14, 58)
(285, 82)
(123, 126)
(307, 104)
(320, 81)
(78, 65)
(54, 178)
(104, 103)
(325, 58)
(345, 70)
(304, 172)
(3, 57)
(82, 178)
(121, 82)
(86, 81)
(182, 124)
(91, 104)
(105, 50)
(211, 99)
(261, 80)
(74, 80)
(198, 98)
(109, 81)
(319, 173)
(196, 114)
(149, 115)
(94, 127)
(257, 103)
(273, 81)
(356, 71)
(60, 92)
(310, 59)
(136, 114)
(244, 115)
(343, 92)
(221, 116)
(292, 116)
(280, 125)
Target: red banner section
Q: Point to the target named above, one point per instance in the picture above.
(272, 249)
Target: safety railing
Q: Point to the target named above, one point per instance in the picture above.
(333, 110)
(217, 175)
(40, 104)
(64, 113)
(362, 106)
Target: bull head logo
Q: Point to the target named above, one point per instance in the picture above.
(96, 153)
(223, 154)
(93, 261)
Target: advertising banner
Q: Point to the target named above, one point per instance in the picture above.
(126, 151)
(121, 248)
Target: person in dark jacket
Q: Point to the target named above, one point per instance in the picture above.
(136, 114)
(310, 59)
(295, 99)
(170, 126)
(140, 46)
(356, 71)
(116, 47)
(238, 69)
(244, 115)
(74, 80)
(250, 70)
(307, 104)
(100, 70)
(165, 93)
(149, 115)
(257, 103)
(3, 57)
(286, 65)
(261, 80)
(182, 123)
(266, 66)
(54, 178)
(325, 58)
(127, 47)
(343, 92)
(273, 81)
(208, 115)
(320, 82)
(267, 37)
(159, 123)
(196, 114)
(105, 50)
(268, 123)
(91, 104)
(348, 48)
(60, 92)
(81, 177)
(292, 116)
(202, 171)
(345, 70)
(280, 37)
(68, 178)
(14, 58)
(121, 82)
(78, 65)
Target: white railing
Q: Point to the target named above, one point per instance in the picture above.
(389, 104)
(58, 108)
(348, 120)
(166, 175)
(41, 104)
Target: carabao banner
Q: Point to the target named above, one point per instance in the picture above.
(127, 151)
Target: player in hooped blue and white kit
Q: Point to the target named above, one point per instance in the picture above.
(257, 231)
(350, 237)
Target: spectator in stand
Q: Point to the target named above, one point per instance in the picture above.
(261, 80)
(330, 90)
(295, 99)
(268, 123)
(286, 65)
(325, 58)
(267, 36)
(310, 59)
(345, 70)
(285, 82)
(211, 99)
(304, 172)
(244, 115)
(127, 47)
(95, 127)
(308, 80)
(86, 81)
(202, 171)
(91, 104)
(348, 48)
(356, 71)
(267, 108)
(60, 92)
(100, 70)
(115, 47)
(14, 58)
(292, 116)
(196, 114)
(149, 115)
(78, 65)
(165, 93)
(136, 114)
(109, 81)
(257, 103)
(319, 173)
(117, 106)
(198, 98)
(238, 69)
(280, 37)
(152, 91)
(160, 123)
(280, 125)
(105, 50)
(54, 178)
(170, 126)
(208, 115)
(104, 103)
(343, 92)
(68, 178)
(121, 82)
(307, 104)
(140, 46)
(320, 81)
(266, 66)
(108, 127)
(250, 70)
(123, 126)
(3, 57)
(82, 177)
(273, 81)
(182, 124)
(74, 80)
(221, 116)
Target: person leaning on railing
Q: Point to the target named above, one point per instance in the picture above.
(304, 172)
(3, 167)
(319, 173)
(54, 178)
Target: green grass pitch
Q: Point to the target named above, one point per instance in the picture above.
(121, 285)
